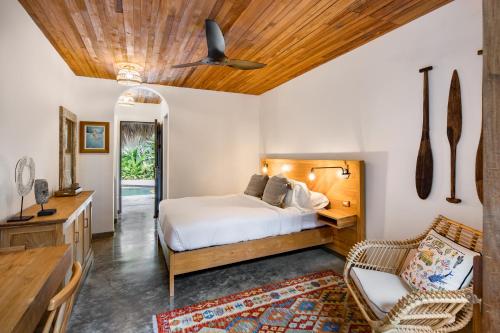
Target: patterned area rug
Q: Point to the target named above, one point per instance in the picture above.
(312, 303)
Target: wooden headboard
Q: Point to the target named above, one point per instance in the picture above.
(330, 182)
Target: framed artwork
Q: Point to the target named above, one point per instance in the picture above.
(94, 137)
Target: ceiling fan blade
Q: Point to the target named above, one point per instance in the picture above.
(244, 64)
(215, 40)
(190, 64)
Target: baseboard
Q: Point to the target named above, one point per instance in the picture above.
(108, 234)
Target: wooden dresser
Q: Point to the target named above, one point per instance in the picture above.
(71, 224)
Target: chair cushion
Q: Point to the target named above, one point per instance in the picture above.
(439, 264)
(380, 290)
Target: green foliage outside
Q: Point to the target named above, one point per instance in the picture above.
(138, 162)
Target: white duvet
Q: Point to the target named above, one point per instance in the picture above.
(197, 222)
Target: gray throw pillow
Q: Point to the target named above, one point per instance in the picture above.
(275, 191)
(257, 185)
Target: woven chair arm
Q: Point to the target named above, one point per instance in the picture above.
(423, 307)
(379, 255)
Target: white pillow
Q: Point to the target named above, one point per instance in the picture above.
(298, 196)
(439, 264)
(318, 200)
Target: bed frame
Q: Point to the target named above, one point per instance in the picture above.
(335, 187)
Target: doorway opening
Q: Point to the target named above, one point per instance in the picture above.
(140, 168)
(137, 164)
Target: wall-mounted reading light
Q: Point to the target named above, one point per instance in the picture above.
(265, 168)
(286, 168)
(345, 171)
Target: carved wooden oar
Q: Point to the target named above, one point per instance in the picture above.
(425, 165)
(479, 168)
(479, 159)
(454, 129)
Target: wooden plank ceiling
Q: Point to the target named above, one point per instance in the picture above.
(142, 95)
(291, 36)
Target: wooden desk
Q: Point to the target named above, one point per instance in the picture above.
(28, 280)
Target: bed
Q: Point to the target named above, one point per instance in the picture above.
(197, 233)
(197, 222)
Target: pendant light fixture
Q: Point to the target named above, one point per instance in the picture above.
(129, 74)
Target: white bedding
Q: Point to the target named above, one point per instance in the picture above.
(197, 222)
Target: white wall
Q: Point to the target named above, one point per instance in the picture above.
(214, 141)
(35, 81)
(214, 133)
(210, 133)
(367, 105)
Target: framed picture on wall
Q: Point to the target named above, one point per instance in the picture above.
(94, 137)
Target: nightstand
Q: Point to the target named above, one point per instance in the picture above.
(338, 218)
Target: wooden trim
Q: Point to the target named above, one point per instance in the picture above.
(102, 235)
(66, 115)
(491, 158)
(84, 150)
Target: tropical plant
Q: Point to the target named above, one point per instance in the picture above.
(138, 161)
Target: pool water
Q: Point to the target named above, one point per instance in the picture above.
(137, 190)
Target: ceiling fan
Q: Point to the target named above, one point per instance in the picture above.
(216, 48)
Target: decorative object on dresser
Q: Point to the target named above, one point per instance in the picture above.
(71, 224)
(94, 137)
(23, 186)
(42, 197)
(67, 154)
(389, 304)
(454, 130)
(479, 158)
(425, 166)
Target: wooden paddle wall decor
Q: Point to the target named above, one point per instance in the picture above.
(425, 165)
(454, 129)
(479, 158)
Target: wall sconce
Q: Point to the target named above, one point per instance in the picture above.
(286, 168)
(265, 168)
(345, 171)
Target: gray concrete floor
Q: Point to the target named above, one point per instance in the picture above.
(128, 282)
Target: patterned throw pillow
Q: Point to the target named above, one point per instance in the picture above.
(439, 264)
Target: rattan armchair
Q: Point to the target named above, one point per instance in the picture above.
(419, 311)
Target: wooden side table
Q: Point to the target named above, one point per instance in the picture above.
(338, 218)
(343, 222)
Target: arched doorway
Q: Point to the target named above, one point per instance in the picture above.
(141, 123)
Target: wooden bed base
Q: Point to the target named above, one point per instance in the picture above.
(338, 189)
(214, 256)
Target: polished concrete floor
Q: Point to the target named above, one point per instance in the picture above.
(127, 284)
